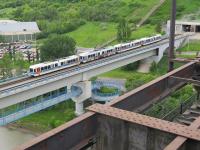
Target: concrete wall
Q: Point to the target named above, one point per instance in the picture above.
(115, 134)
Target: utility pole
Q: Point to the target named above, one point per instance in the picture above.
(172, 36)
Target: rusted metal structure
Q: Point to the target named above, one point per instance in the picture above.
(117, 125)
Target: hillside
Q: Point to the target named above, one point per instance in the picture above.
(184, 8)
(93, 22)
(97, 18)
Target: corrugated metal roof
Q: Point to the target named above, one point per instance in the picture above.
(8, 28)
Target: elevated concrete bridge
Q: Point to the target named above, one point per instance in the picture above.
(80, 75)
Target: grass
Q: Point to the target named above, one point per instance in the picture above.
(162, 108)
(144, 31)
(93, 34)
(140, 9)
(50, 118)
(107, 90)
(183, 7)
(193, 46)
(186, 56)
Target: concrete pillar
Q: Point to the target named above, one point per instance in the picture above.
(79, 108)
(145, 65)
(69, 88)
(86, 93)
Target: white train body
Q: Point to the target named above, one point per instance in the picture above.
(48, 67)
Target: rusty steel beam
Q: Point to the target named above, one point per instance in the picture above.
(196, 82)
(179, 141)
(186, 60)
(158, 124)
(76, 132)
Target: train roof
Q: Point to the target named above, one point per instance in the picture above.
(68, 58)
(42, 64)
(53, 62)
(87, 53)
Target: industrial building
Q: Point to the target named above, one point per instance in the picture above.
(184, 27)
(14, 31)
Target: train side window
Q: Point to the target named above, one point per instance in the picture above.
(56, 65)
(49, 67)
(42, 68)
(31, 70)
(34, 70)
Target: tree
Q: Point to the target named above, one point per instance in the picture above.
(19, 63)
(2, 40)
(28, 55)
(6, 66)
(37, 54)
(123, 31)
(57, 46)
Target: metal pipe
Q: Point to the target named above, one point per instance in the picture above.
(172, 35)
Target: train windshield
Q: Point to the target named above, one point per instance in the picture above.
(31, 70)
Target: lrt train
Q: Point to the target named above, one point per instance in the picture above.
(47, 67)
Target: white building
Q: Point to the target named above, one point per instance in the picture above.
(185, 26)
(14, 31)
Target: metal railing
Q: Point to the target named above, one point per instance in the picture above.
(26, 109)
(180, 109)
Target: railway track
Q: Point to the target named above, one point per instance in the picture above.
(8, 86)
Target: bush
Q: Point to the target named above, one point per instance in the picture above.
(55, 123)
(57, 46)
(132, 66)
(108, 90)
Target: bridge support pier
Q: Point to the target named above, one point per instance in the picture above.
(86, 93)
(145, 65)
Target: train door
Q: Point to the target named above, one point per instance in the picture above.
(38, 71)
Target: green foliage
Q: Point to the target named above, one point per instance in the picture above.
(154, 67)
(138, 80)
(63, 16)
(12, 66)
(135, 79)
(107, 90)
(160, 109)
(131, 67)
(123, 31)
(93, 34)
(50, 118)
(6, 66)
(184, 7)
(192, 46)
(2, 40)
(55, 123)
(144, 31)
(57, 46)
